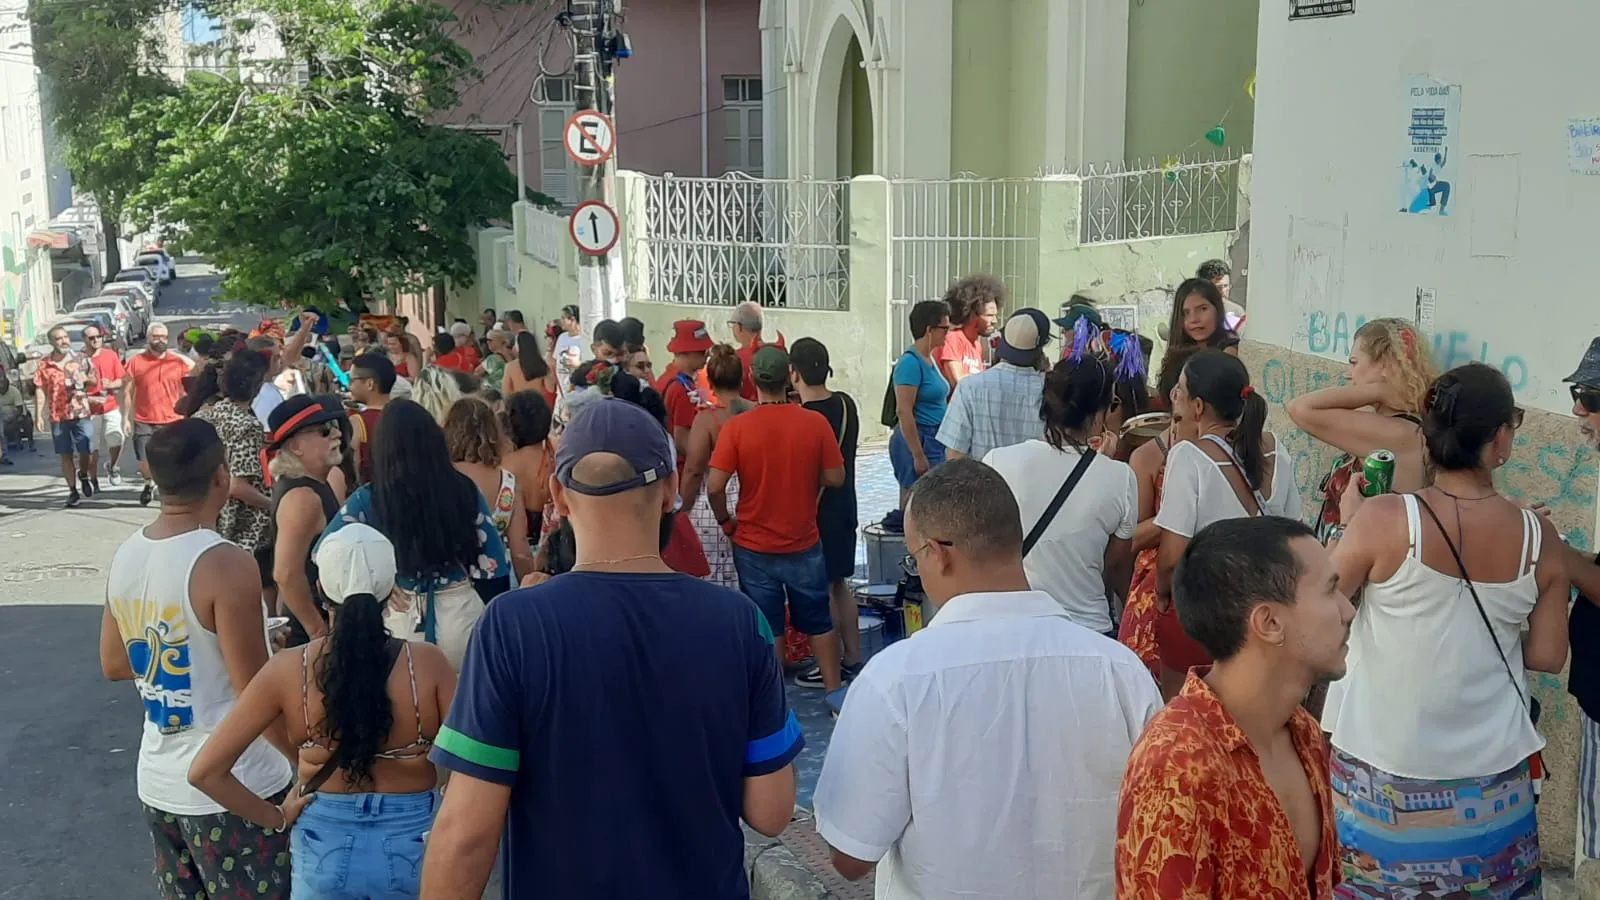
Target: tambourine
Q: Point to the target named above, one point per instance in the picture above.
(1148, 425)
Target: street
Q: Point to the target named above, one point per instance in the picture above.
(72, 821)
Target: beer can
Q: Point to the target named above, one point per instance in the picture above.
(1378, 469)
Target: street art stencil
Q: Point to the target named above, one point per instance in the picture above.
(1432, 129)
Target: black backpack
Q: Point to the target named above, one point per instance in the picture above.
(891, 409)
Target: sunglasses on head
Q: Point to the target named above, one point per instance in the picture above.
(1586, 397)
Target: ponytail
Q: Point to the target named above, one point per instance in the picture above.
(204, 386)
(1246, 437)
(353, 676)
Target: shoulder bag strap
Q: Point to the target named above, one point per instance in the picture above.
(1037, 531)
(1261, 503)
(844, 425)
(1482, 614)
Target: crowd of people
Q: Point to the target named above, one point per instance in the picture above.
(531, 566)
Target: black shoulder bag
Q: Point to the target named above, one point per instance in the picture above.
(1528, 703)
(1049, 514)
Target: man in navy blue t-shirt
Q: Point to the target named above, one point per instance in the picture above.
(617, 720)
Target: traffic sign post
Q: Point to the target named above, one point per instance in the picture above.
(590, 137)
(594, 227)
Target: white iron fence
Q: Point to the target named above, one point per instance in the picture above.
(546, 234)
(722, 241)
(1129, 203)
(945, 230)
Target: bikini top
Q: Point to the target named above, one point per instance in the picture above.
(414, 750)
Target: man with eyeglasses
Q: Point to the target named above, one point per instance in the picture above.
(103, 409)
(372, 378)
(1583, 631)
(153, 387)
(1004, 724)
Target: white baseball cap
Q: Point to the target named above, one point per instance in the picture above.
(356, 559)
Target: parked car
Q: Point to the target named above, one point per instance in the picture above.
(124, 319)
(141, 275)
(40, 346)
(139, 297)
(158, 261)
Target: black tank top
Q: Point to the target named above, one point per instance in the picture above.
(264, 553)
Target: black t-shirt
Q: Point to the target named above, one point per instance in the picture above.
(265, 552)
(840, 411)
(1583, 633)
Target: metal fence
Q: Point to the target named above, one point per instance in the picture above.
(1128, 203)
(944, 230)
(723, 241)
(546, 234)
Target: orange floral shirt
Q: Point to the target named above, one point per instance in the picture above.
(1198, 819)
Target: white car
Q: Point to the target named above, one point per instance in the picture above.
(123, 316)
(158, 261)
(139, 297)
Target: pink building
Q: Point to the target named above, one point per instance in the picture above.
(689, 100)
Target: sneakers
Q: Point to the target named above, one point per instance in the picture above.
(147, 493)
(73, 499)
(116, 478)
(812, 677)
(94, 482)
(85, 484)
(6, 461)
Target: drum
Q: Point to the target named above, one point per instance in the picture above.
(871, 625)
(1142, 429)
(885, 550)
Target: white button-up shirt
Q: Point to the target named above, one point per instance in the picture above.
(982, 757)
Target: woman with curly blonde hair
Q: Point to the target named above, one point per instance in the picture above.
(437, 390)
(1379, 408)
(473, 434)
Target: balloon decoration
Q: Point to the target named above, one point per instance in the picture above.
(1216, 135)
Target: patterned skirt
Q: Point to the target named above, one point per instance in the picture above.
(1138, 628)
(719, 549)
(1405, 837)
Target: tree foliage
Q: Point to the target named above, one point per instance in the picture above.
(321, 176)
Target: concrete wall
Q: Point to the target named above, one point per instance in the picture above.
(27, 299)
(1515, 255)
(1187, 67)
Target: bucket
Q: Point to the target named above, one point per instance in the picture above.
(885, 550)
(871, 625)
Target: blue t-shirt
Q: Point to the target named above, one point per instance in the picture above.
(625, 711)
(933, 391)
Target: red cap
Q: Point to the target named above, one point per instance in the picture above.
(689, 336)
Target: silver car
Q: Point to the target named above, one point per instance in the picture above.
(124, 320)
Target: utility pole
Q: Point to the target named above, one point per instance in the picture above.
(601, 291)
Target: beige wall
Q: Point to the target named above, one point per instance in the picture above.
(1551, 464)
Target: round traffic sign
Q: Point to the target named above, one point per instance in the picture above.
(594, 227)
(590, 137)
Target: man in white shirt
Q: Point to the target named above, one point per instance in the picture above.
(982, 758)
(286, 355)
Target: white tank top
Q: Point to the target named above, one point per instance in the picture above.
(1426, 695)
(179, 671)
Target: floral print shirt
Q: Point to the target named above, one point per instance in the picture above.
(1198, 819)
(493, 560)
(65, 383)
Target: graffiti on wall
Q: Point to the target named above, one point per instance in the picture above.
(1332, 333)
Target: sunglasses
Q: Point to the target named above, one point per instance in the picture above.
(91, 337)
(1586, 397)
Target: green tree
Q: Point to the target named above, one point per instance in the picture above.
(101, 61)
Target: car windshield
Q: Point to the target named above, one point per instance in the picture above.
(148, 260)
(131, 276)
(96, 304)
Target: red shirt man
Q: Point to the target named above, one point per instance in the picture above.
(689, 345)
(157, 380)
(108, 365)
(746, 326)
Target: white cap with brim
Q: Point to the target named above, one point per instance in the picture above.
(356, 559)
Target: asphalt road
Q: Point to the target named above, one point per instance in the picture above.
(71, 822)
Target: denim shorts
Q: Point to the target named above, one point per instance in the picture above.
(71, 436)
(905, 472)
(802, 576)
(351, 846)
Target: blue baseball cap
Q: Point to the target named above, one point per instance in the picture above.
(611, 425)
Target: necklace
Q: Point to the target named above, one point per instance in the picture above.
(1460, 498)
(621, 559)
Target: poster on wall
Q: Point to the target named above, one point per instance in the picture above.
(1320, 9)
(1583, 146)
(1432, 130)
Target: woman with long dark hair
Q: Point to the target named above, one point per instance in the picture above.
(1225, 466)
(529, 371)
(244, 517)
(442, 529)
(1079, 504)
(1460, 591)
(1199, 320)
(531, 458)
(363, 707)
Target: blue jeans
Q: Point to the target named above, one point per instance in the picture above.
(361, 846)
(802, 577)
(71, 436)
(905, 472)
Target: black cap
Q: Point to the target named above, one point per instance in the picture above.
(1588, 371)
(296, 414)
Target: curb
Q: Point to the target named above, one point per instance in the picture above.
(775, 872)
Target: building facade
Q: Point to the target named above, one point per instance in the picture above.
(26, 293)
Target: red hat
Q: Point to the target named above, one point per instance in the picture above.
(689, 336)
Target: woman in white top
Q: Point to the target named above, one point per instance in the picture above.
(1433, 740)
(1084, 553)
(1224, 466)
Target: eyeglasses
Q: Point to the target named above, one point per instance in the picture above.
(90, 337)
(329, 429)
(1517, 414)
(1586, 397)
(908, 563)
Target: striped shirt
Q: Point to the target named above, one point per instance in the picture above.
(998, 407)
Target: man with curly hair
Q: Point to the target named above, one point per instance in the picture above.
(975, 303)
